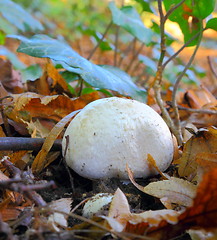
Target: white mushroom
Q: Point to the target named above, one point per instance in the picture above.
(112, 132)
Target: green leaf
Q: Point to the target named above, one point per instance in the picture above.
(127, 80)
(129, 19)
(31, 73)
(189, 16)
(43, 46)
(145, 5)
(2, 37)
(212, 24)
(17, 64)
(17, 16)
(7, 27)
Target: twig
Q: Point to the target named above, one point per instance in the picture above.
(99, 42)
(92, 52)
(178, 80)
(126, 52)
(171, 10)
(21, 143)
(134, 57)
(20, 183)
(120, 235)
(193, 110)
(177, 53)
(158, 79)
(116, 45)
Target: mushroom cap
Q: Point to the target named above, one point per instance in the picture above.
(111, 132)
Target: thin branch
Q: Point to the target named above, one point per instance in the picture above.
(126, 52)
(100, 41)
(184, 46)
(21, 143)
(116, 45)
(134, 57)
(171, 10)
(116, 40)
(193, 110)
(157, 82)
(22, 182)
(178, 80)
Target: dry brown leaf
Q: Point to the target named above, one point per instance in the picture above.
(152, 164)
(204, 141)
(206, 161)
(56, 77)
(31, 105)
(175, 190)
(40, 160)
(42, 85)
(198, 98)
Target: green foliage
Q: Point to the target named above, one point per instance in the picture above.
(43, 46)
(31, 73)
(189, 16)
(17, 64)
(212, 24)
(146, 6)
(18, 17)
(129, 19)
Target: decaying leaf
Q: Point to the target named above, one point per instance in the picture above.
(175, 190)
(40, 160)
(205, 141)
(206, 161)
(153, 164)
(59, 219)
(200, 97)
(172, 190)
(203, 212)
(56, 77)
(31, 105)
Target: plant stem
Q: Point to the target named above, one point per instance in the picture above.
(178, 80)
(193, 110)
(184, 46)
(158, 79)
(126, 52)
(116, 45)
(134, 57)
(99, 42)
(171, 10)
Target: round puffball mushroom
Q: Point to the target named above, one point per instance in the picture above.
(112, 132)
